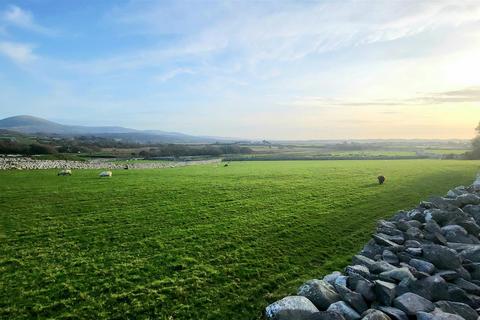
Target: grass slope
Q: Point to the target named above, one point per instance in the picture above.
(202, 242)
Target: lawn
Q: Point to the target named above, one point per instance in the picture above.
(199, 242)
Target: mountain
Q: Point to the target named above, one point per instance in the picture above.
(34, 125)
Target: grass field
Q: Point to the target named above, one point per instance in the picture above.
(200, 242)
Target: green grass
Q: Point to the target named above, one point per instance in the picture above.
(447, 151)
(200, 242)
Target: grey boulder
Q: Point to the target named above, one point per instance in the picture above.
(291, 308)
(441, 256)
(411, 303)
(422, 266)
(393, 313)
(462, 309)
(320, 292)
(372, 314)
(345, 310)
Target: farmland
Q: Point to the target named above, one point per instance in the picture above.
(200, 242)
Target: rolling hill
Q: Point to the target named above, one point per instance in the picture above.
(34, 125)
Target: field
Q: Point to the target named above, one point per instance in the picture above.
(200, 242)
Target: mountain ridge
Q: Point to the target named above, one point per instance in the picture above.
(35, 125)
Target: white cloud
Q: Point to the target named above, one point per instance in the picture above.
(285, 31)
(16, 16)
(20, 53)
(173, 73)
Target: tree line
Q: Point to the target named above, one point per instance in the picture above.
(475, 153)
(90, 145)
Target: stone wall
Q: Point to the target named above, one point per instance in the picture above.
(25, 163)
(421, 264)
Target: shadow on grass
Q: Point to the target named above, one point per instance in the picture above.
(370, 185)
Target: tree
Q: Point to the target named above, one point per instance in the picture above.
(475, 153)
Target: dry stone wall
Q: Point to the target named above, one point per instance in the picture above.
(421, 264)
(24, 163)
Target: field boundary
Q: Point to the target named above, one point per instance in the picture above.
(422, 263)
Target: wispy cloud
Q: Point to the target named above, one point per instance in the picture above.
(173, 73)
(20, 18)
(464, 95)
(471, 94)
(286, 31)
(20, 53)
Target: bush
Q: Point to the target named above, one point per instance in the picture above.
(37, 148)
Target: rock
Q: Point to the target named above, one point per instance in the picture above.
(366, 289)
(472, 254)
(459, 247)
(404, 257)
(423, 266)
(364, 261)
(398, 239)
(384, 241)
(372, 314)
(457, 294)
(476, 184)
(381, 266)
(386, 224)
(414, 233)
(462, 309)
(391, 231)
(393, 313)
(473, 211)
(470, 225)
(455, 233)
(440, 216)
(385, 292)
(390, 257)
(358, 269)
(319, 292)
(371, 249)
(344, 309)
(353, 298)
(438, 238)
(330, 278)
(397, 274)
(354, 279)
(341, 281)
(291, 308)
(416, 252)
(448, 275)
(425, 316)
(437, 315)
(464, 274)
(474, 270)
(442, 257)
(466, 199)
(467, 286)
(412, 244)
(441, 315)
(417, 215)
(431, 227)
(326, 315)
(432, 288)
(411, 303)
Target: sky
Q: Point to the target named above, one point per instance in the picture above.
(250, 69)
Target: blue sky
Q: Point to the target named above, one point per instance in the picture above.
(253, 69)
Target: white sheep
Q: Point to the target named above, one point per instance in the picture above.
(105, 174)
(65, 172)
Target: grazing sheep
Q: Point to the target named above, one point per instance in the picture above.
(105, 174)
(65, 172)
(381, 179)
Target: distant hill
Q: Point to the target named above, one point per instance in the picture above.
(34, 125)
